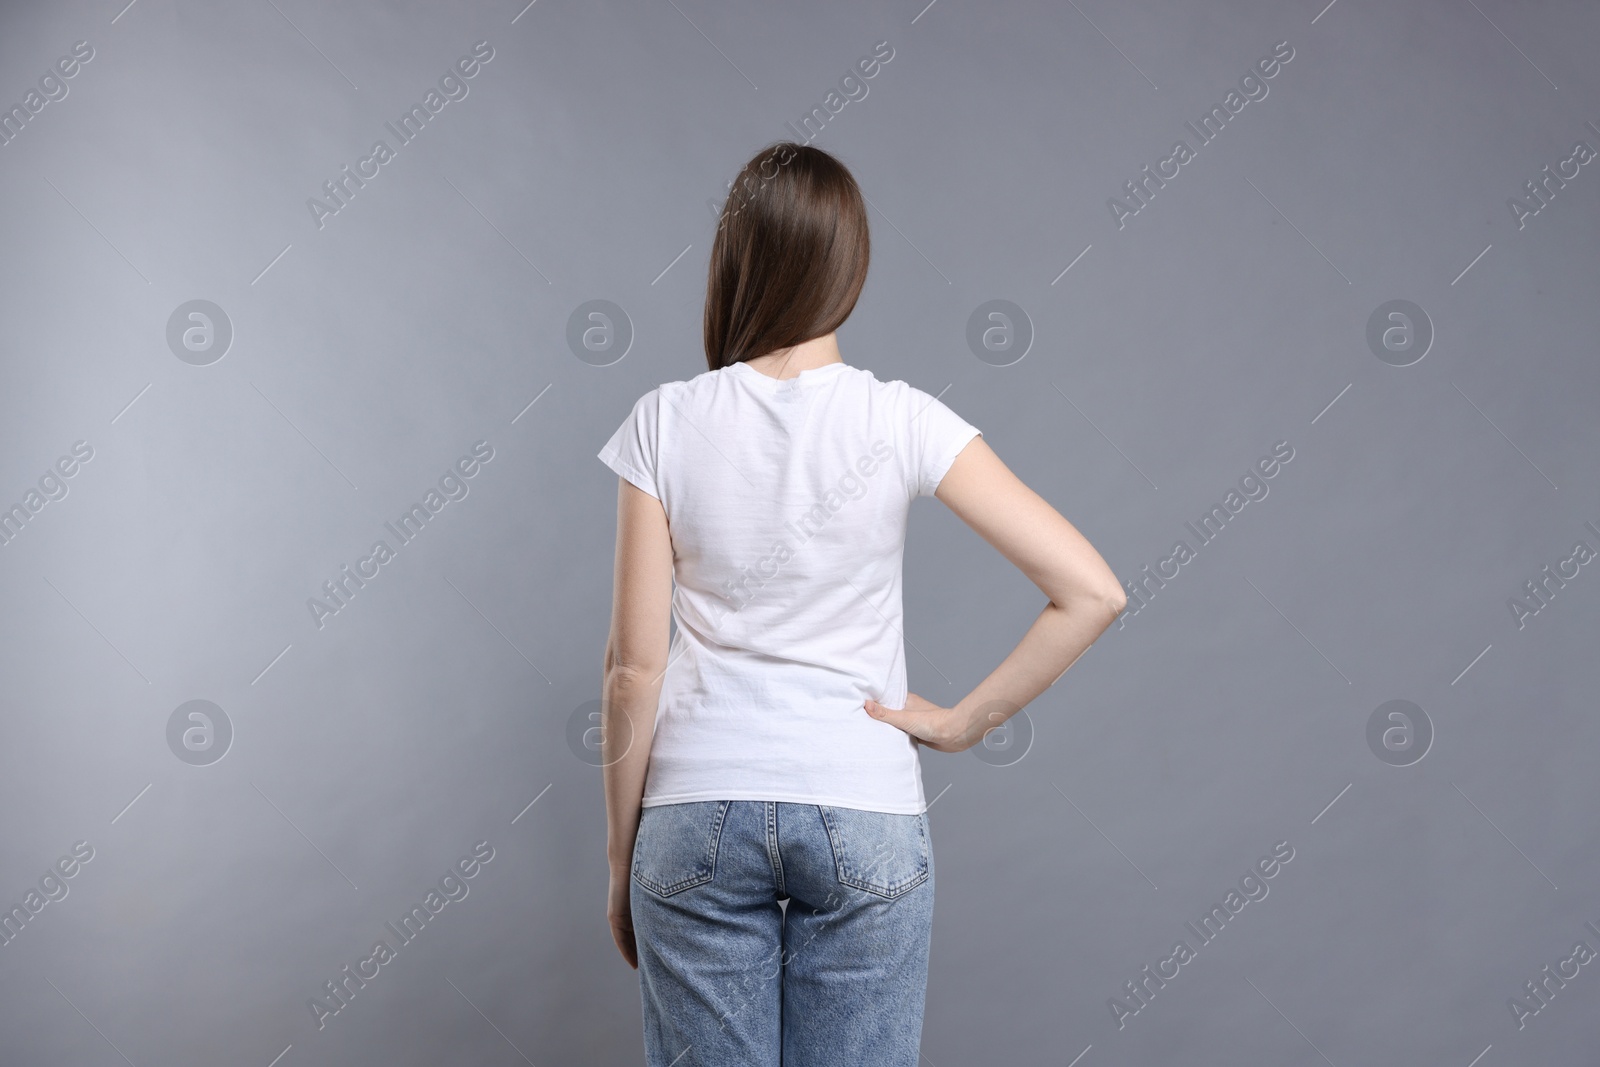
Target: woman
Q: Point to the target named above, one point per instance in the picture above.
(771, 871)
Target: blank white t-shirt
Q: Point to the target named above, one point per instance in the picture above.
(787, 503)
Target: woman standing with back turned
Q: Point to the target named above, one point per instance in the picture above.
(771, 870)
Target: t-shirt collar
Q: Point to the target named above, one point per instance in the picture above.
(805, 377)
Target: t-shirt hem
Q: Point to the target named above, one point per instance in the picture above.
(629, 471)
(834, 801)
(948, 460)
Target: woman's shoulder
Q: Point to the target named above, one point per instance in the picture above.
(896, 393)
(693, 384)
(894, 388)
(673, 389)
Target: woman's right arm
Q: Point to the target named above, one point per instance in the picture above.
(1084, 599)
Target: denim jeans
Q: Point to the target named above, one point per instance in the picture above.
(835, 977)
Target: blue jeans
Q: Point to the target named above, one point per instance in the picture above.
(835, 977)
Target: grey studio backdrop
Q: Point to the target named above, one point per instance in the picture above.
(1341, 347)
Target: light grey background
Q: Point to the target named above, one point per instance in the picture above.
(368, 355)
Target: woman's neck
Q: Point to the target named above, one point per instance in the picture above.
(788, 362)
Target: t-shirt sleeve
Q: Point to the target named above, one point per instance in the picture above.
(938, 435)
(631, 452)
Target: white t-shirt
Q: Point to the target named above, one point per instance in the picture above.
(787, 503)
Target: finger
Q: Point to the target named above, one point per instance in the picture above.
(878, 711)
(626, 945)
(630, 950)
(911, 723)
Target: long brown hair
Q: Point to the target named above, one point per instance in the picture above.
(790, 255)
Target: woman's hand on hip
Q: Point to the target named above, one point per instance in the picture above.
(619, 914)
(941, 729)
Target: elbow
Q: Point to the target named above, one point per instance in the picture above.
(1086, 590)
(630, 664)
(1108, 607)
(1109, 593)
(1108, 601)
(630, 674)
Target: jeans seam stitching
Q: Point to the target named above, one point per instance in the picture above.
(774, 857)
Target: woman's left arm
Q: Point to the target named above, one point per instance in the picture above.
(635, 660)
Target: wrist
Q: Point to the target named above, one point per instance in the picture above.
(984, 716)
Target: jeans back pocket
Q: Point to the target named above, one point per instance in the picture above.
(877, 851)
(676, 847)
